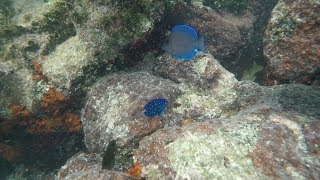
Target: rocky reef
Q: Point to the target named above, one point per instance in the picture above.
(123, 119)
(292, 42)
(217, 126)
(51, 52)
(76, 75)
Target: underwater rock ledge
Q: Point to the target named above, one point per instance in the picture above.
(260, 133)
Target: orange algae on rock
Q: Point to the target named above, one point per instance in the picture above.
(68, 122)
(38, 70)
(19, 111)
(52, 97)
(37, 67)
(57, 117)
(135, 170)
(36, 77)
(55, 104)
(53, 101)
(73, 122)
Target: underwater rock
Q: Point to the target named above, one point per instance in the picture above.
(216, 148)
(27, 12)
(21, 171)
(66, 62)
(82, 39)
(91, 40)
(225, 34)
(199, 81)
(291, 99)
(114, 108)
(226, 128)
(262, 131)
(248, 147)
(291, 42)
(17, 83)
(232, 36)
(222, 35)
(270, 136)
(204, 71)
(6, 68)
(15, 87)
(21, 50)
(88, 166)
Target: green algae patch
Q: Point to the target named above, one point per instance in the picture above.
(221, 154)
(57, 21)
(282, 24)
(112, 25)
(235, 6)
(7, 28)
(250, 74)
(129, 20)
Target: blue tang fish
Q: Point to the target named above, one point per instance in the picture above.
(184, 42)
(155, 107)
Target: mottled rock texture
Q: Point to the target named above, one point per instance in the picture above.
(204, 71)
(114, 109)
(66, 63)
(269, 137)
(218, 126)
(292, 42)
(51, 52)
(265, 132)
(291, 99)
(199, 80)
(16, 72)
(261, 131)
(102, 31)
(214, 126)
(232, 29)
(88, 166)
(251, 147)
(16, 87)
(77, 41)
(216, 148)
(225, 33)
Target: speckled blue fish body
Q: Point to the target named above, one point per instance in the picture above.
(184, 42)
(155, 107)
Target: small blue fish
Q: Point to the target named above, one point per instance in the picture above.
(155, 107)
(184, 42)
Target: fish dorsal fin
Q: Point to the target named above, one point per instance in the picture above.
(186, 29)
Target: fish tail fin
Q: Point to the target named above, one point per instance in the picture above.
(201, 45)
